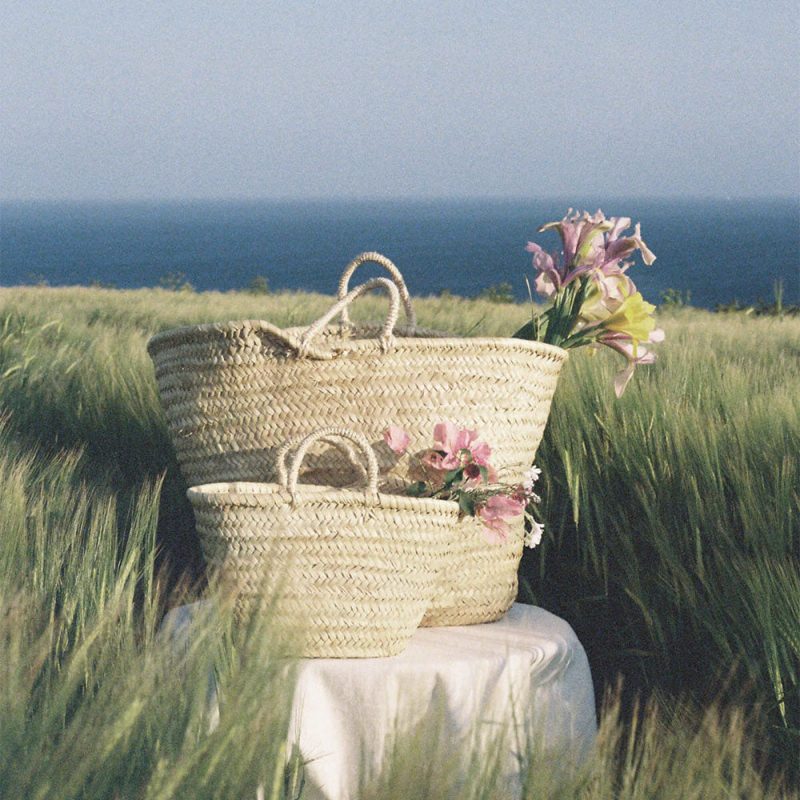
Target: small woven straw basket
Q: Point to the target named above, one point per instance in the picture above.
(234, 392)
(478, 581)
(355, 570)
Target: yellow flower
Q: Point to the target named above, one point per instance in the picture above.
(633, 318)
(605, 296)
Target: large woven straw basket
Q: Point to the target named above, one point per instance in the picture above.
(355, 570)
(234, 392)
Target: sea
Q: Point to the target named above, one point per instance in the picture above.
(709, 252)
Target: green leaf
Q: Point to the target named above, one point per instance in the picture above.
(527, 331)
(466, 502)
(452, 476)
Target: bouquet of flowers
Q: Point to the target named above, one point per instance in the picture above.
(457, 468)
(593, 301)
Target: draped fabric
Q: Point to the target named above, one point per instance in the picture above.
(519, 684)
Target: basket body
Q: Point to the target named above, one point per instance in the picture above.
(355, 575)
(478, 581)
(233, 392)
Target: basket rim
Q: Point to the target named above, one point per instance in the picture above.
(421, 337)
(227, 493)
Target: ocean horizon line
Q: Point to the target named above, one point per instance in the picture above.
(388, 199)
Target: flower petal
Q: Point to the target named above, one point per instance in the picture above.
(619, 224)
(534, 535)
(444, 436)
(545, 284)
(397, 439)
(496, 531)
(481, 452)
(621, 379)
(648, 256)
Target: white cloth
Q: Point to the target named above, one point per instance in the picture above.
(526, 675)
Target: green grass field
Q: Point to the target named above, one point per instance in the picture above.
(672, 547)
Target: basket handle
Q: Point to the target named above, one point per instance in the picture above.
(289, 479)
(397, 279)
(340, 307)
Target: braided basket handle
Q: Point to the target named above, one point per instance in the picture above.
(289, 480)
(340, 307)
(397, 279)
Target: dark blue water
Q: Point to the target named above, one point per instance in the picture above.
(719, 251)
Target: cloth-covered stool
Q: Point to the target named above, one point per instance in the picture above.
(525, 678)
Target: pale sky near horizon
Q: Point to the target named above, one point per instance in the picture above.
(386, 99)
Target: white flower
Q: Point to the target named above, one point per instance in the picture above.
(530, 478)
(534, 535)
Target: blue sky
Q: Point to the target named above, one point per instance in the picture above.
(387, 99)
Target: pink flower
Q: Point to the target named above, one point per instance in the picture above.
(433, 469)
(617, 249)
(548, 281)
(504, 506)
(590, 244)
(444, 436)
(495, 529)
(473, 474)
(460, 446)
(634, 353)
(495, 513)
(480, 452)
(581, 236)
(397, 439)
